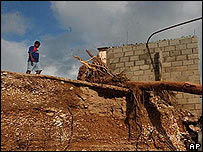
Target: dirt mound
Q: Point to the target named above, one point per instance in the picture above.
(48, 113)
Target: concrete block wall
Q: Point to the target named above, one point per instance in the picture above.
(179, 61)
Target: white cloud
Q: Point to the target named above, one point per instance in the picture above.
(106, 23)
(14, 23)
(13, 56)
(49, 70)
(92, 20)
(72, 74)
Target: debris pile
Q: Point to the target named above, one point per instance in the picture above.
(41, 112)
(98, 72)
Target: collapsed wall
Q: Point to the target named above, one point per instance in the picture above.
(176, 60)
(49, 113)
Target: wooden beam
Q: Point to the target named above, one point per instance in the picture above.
(186, 87)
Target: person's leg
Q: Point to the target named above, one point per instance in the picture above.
(29, 68)
(28, 72)
(37, 68)
(38, 71)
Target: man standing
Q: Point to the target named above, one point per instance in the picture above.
(33, 60)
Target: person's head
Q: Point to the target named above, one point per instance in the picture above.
(37, 44)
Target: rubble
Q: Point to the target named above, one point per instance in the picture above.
(39, 112)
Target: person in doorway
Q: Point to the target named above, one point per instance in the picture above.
(33, 60)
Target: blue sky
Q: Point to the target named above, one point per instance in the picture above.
(38, 14)
(67, 28)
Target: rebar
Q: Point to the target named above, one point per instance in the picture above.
(164, 29)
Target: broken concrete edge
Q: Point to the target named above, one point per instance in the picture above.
(142, 85)
(75, 82)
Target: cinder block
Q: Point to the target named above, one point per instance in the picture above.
(166, 64)
(112, 66)
(165, 54)
(134, 58)
(110, 55)
(195, 50)
(174, 42)
(170, 48)
(141, 62)
(152, 45)
(148, 72)
(114, 60)
(123, 69)
(151, 77)
(181, 68)
(138, 73)
(144, 67)
(175, 74)
(194, 78)
(129, 53)
(163, 43)
(124, 59)
(187, 73)
(129, 74)
(166, 69)
(166, 76)
(179, 96)
(181, 57)
(118, 50)
(134, 47)
(194, 40)
(138, 52)
(193, 56)
(198, 106)
(116, 70)
(127, 48)
(186, 41)
(181, 47)
(196, 61)
(135, 68)
(110, 50)
(193, 100)
(159, 49)
(183, 78)
(141, 46)
(118, 65)
(144, 56)
(186, 51)
(187, 62)
(174, 69)
(177, 63)
(118, 55)
(129, 64)
(181, 102)
(189, 106)
(143, 78)
(187, 95)
(192, 45)
(134, 78)
(193, 67)
(170, 59)
(174, 53)
(196, 72)
(110, 60)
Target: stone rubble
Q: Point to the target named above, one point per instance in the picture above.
(45, 114)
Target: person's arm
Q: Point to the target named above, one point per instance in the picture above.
(32, 59)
